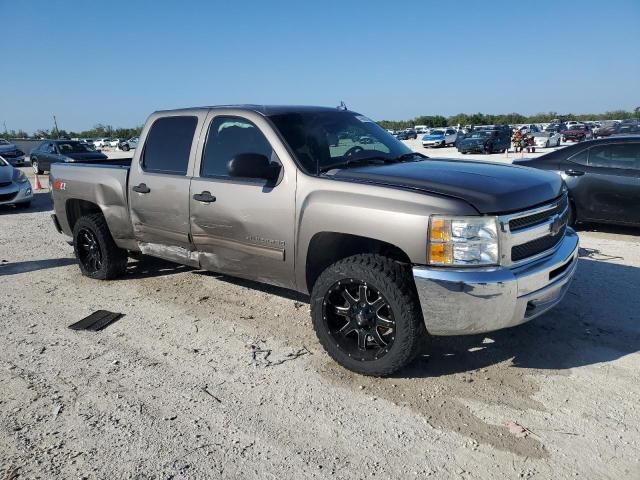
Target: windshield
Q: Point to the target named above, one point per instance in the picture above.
(73, 147)
(325, 139)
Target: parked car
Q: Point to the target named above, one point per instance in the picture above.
(407, 135)
(626, 128)
(11, 153)
(603, 177)
(388, 244)
(101, 142)
(484, 141)
(547, 139)
(15, 188)
(66, 151)
(555, 127)
(530, 128)
(577, 133)
(127, 145)
(440, 137)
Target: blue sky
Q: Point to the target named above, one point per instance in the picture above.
(115, 62)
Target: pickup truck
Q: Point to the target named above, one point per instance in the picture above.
(390, 245)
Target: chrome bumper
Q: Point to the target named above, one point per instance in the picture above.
(465, 302)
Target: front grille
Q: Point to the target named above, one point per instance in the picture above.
(539, 245)
(5, 197)
(538, 218)
(4, 184)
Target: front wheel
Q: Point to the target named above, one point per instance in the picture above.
(366, 314)
(125, 147)
(98, 255)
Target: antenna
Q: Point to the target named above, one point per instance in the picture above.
(55, 123)
(342, 106)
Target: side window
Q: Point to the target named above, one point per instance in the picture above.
(228, 137)
(625, 155)
(168, 145)
(600, 156)
(580, 157)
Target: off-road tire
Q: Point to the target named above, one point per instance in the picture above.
(114, 259)
(392, 280)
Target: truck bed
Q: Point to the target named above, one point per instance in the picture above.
(102, 184)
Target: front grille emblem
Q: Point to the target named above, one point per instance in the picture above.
(556, 225)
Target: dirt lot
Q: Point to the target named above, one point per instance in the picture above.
(211, 377)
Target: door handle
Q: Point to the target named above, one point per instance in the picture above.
(204, 197)
(574, 173)
(142, 188)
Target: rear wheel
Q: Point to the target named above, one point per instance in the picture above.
(36, 167)
(125, 147)
(571, 221)
(98, 255)
(366, 314)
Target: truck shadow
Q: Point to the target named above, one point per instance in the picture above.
(12, 268)
(598, 321)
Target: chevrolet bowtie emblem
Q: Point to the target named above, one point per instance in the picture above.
(556, 225)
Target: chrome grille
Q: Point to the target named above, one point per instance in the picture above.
(533, 233)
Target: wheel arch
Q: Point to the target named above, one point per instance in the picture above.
(326, 248)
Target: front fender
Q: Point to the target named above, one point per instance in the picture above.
(394, 216)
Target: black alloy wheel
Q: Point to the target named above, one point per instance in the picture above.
(89, 252)
(359, 319)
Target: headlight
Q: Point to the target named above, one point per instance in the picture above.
(462, 241)
(20, 177)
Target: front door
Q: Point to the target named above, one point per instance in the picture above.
(243, 227)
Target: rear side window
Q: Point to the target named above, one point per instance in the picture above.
(228, 137)
(168, 145)
(626, 155)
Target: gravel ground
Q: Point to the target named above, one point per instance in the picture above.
(208, 376)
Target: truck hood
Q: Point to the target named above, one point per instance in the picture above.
(87, 156)
(434, 136)
(488, 187)
(573, 132)
(8, 148)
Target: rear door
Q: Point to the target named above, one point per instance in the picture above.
(158, 187)
(246, 227)
(612, 182)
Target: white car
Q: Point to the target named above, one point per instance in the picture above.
(440, 137)
(547, 139)
(101, 142)
(114, 142)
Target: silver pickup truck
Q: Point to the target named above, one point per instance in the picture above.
(392, 246)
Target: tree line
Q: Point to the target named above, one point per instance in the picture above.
(501, 119)
(98, 131)
(102, 131)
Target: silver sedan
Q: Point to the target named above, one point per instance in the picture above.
(15, 188)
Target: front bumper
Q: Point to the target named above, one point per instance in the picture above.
(465, 302)
(470, 148)
(16, 193)
(432, 143)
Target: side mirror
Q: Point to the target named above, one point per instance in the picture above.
(253, 165)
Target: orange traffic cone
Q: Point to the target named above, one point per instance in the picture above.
(38, 184)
